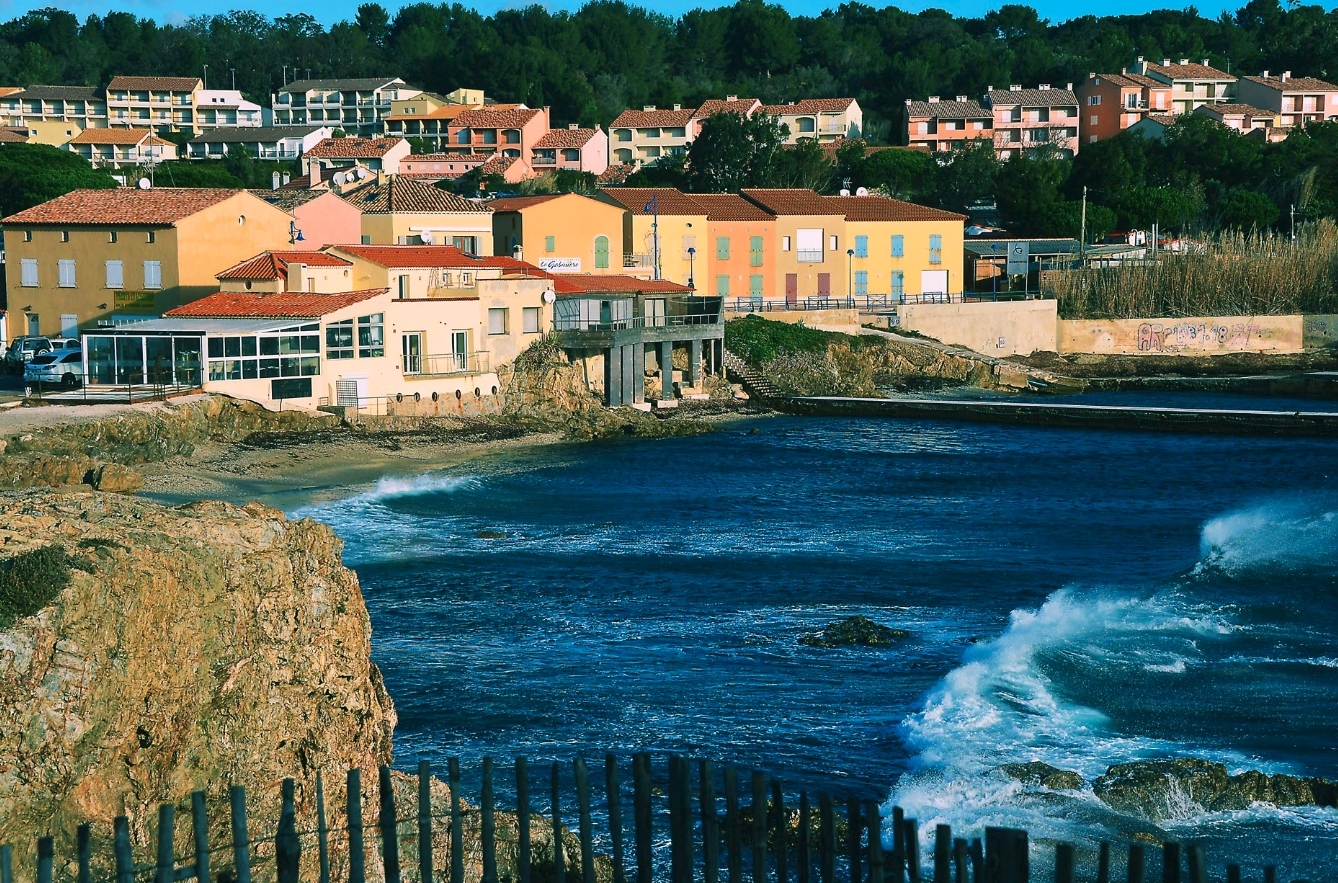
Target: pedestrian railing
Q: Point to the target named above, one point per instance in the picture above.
(713, 836)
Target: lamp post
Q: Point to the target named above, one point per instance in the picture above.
(692, 263)
(850, 277)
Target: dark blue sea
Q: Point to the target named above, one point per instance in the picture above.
(1082, 598)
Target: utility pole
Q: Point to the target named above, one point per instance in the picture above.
(1082, 230)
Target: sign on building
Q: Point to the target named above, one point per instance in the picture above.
(1019, 258)
(560, 265)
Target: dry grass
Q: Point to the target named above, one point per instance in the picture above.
(1239, 275)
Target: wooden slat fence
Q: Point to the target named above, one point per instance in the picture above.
(762, 841)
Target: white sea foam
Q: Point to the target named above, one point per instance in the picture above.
(419, 485)
(1280, 535)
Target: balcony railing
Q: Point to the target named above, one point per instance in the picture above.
(632, 261)
(444, 365)
(810, 257)
(578, 324)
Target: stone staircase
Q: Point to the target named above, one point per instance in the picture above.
(754, 383)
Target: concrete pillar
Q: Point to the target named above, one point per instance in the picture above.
(638, 372)
(695, 364)
(613, 376)
(666, 370)
(629, 376)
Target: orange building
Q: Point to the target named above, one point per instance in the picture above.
(1111, 103)
(740, 258)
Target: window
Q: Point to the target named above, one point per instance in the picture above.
(809, 245)
(153, 274)
(898, 284)
(624, 134)
(466, 280)
(372, 336)
(403, 284)
(497, 320)
(861, 246)
(27, 236)
(366, 240)
(64, 235)
(151, 236)
(935, 248)
(1095, 120)
(512, 136)
(550, 244)
(861, 281)
(29, 272)
(785, 243)
(898, 246)
(115, 275)
(722, 248)
(601, 252)
(755, 285)
(66, 279)
(832, 244)
(1093, 100)
(722, 286)
(755, 251)
(530, 320)
(339, 340)
(111, 236)
(288, 352)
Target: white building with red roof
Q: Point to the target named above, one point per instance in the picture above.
(572, 149)
(824, 119)
(336, 155)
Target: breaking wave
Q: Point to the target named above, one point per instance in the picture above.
(1281, 537)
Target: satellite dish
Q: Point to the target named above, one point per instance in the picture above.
(362, 173)
(426, 236)
(143, 184)
(549, 296)
(340, 178)
(862, 191)
(845, 191)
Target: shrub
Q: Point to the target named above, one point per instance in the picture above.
(758, 341)
(30, 581)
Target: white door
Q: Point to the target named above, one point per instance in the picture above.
(69, 325)
(460, 350)
(412, 342)
(34, 325)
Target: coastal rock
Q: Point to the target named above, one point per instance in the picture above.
(1183, 787)
(1043, 774)
(117, 479)
(854, 631)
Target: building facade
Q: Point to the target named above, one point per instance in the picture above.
(938, 125)
(1032, 119)
(571, 149)
(810, 244)
(408, 211)
(271, 143)
(560, 233)
(1192, 84)
(1297, 101)
(121, 148)
(822, 119)
(357, 106)
(1111, 103)
(664, 231)
(646, 135)
(341, 154)
(81, 106)
(510, 133)
(737, 257)
(163, 103)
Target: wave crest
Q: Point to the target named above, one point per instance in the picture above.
(1272, 536)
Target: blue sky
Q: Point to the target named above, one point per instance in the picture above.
(334, 10)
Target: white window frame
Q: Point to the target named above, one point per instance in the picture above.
(531, 320)
(495, 313)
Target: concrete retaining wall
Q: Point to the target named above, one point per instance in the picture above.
(1198, 336)
(841, 321)
(1005, 328)
(1320, 331)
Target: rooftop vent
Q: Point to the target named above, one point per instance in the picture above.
(933, 99)
(1184, 61)
(1286, 75)
(647, 108)
(731, 98)
(1015, 88)
(1205, 63)
(961, 98)
(1045, 87)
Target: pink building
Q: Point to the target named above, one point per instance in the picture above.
(513, 132)
(1027, 119)
(572, 148)
(320, 217)
(1296, 100)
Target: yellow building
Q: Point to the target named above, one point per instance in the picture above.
(403, 211)
(811, 258)
(92, 257)
(660, 222)
(57, 133)
(901, 249)
(561, 233)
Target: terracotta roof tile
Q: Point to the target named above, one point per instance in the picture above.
(281, 305)
(640, 119)
(792, 202)
(579, 283)
(616, 173)
(668, 200)
(516, 203)
(1294, 84)
(488, 118)
(274, 264)
(1190, 72)
(884, 208)
(1144, 80)
(1165, 119)
(128, 137)
(810, 105)
(1032, 97)
(355, 84)
(9, 136)
(730, 207)
(566, 138)
(158, 207)
(354, 148)
(949, 110)
(155, 84)
(412, 256)
(409, 195)
(66, 93)
(741, 106)
(497, 165)
(1233, 109)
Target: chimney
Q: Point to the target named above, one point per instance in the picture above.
(1068, 87)
(933, 99)
(518, 252)
(274, 178)
(314, 175)
(1045, 87)
(296, 272)
(1166, 62)
(647, 108)
(1014, 87)
(1205, 63)
(1184, 61)
(678, 107)
(1286, 75)
(731, 98)
(286, 177)
(961, 98)
(572, 127)
(1265, 75)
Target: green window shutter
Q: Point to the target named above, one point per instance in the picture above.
(550, 244)
(755, 285)
(861, 246)
(722, 248)
(722, 286)
(755, 251)
(898, 246)
(601, 252)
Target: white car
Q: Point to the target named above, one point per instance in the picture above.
(59, 367)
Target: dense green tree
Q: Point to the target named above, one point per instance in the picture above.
(733, 151)
(1246, 210)
(967, 176)
(34, 173)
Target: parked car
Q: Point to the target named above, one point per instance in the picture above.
(21, 351)
(63, 367)
(66, 343)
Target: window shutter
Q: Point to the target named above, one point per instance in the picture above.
(115, 275)
(153, 274)
(30, 272)
(722, 248)
(898, 246)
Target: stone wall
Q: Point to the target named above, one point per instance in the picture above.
(838, 321)
(1003, 328)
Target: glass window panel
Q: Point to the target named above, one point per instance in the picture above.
(269, 367)
(232, 347)
(311, 365)
(248, 369)
(269, 346)
(290, 366)
(215, 347)
(248, 346)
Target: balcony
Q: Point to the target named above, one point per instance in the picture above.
(446, 365)
(805, 256)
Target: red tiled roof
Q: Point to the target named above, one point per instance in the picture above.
(354, 148)
(637, 119)
(124, 205)
(497, 165)
(669, 202)
(10, 136)
(1144, 80)
(516, 203)
(1190, 72)
(274, 264)
(441, 157)
(1294, 84)
(1165, 119)
(155, 84)
(556, 138)
(884, 208)
(809, 105)
(408, 195)
(1033, 97)
(579, 283)
(488, 118)
(413, 256)
(949, 110)
(125, 137)
(792, 202)
(281, 305)
(730, 207)
(1232, 109)
(741, 106)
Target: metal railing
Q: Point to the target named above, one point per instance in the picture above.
(563, 324)
(812, 302)
(638, 260)
(446, 364)
(806, 256)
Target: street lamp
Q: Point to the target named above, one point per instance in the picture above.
(692, 254)
(850, 276)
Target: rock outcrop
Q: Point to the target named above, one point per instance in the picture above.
(1043, 774)
(854, 631)
(1183, 787)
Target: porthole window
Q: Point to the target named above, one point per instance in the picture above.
(434, 396)
(457, 395)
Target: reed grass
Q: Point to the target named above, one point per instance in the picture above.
(1238, 274)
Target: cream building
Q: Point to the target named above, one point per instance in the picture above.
(405, 211)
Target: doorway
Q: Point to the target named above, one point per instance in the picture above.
(412, 344)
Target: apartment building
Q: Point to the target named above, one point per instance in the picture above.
(1111, 103)
(560, 233)
(334, 155)
(643, 136)
(121, 148)
(83, 107)
(408, 211)
(1246, 120)
(1028, 119)
(511, 133)
(571, 149)
(939, 125)
(95, 257)
(1297, 100)
(226, 108)
(811, 258)
(358, 106)
(320, 217)
(738, 257)
(154, 102)
(1192, 84)
(272, 143)
(823, 119)
(910, 252)
(664, 231)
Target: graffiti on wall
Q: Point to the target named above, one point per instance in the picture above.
(1155, 337)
